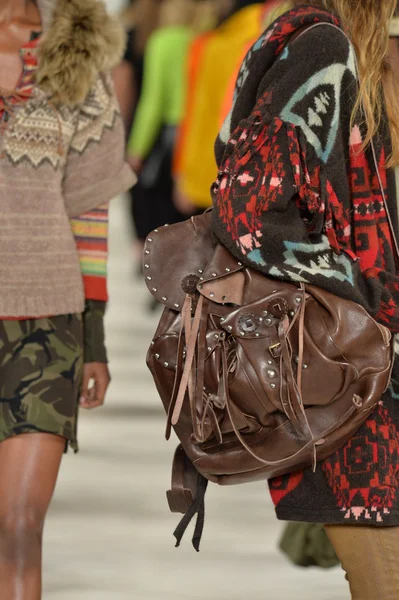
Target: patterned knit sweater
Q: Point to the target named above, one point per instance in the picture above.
(91, 229)
(298, 199)
(61, 161)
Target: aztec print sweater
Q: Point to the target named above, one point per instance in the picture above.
(298, 199)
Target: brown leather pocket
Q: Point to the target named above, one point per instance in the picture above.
(164, 350)
(324, 390)
(248, 393)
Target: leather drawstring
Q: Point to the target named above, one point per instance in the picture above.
(200, 370)
(210, 413)
(191, 343)
(301, 335)
(185, 316)
(190, 377)
(293, 402)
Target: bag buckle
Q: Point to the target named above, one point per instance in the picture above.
(275, 350)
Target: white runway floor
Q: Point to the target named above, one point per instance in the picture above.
(109, 533)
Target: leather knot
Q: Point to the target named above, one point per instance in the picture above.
(189, 284)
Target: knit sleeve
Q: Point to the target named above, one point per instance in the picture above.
(96, 170)
(91, 236)
(94, 332)
(284, 198)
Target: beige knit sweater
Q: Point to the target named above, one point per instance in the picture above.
(62, 154)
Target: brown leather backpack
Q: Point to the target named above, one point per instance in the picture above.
(258, 377)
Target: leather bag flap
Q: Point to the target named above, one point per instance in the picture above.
(175, 258)
(223, 280)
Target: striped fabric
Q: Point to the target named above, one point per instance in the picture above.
(91, 235)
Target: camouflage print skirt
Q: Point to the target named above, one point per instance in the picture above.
(41, 365)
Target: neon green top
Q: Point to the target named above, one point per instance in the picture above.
(162, 98)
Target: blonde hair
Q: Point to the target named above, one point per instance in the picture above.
(367, 24)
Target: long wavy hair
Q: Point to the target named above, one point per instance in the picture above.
(367, 23)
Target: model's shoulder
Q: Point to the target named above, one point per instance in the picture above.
(311, 28)
(323, 38)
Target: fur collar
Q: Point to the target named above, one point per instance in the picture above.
(80, 41)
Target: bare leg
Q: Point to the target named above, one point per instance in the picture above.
(29, 465)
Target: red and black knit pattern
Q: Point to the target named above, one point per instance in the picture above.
(358, 484)
(298, 198)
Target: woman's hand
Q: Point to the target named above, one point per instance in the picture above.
(96, 379)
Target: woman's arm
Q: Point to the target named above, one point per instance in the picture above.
(91, 236)
(94, 335)
(95, 172)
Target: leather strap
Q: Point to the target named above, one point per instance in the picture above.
(186, 310)
(301, 336)
(210, 414)
(180, 496)
(191, 344)
(200, 371)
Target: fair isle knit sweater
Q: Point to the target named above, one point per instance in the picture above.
(299, 199)
(91, 229)
(62, 159)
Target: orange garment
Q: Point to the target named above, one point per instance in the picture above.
(193, 65)
(213, 60)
